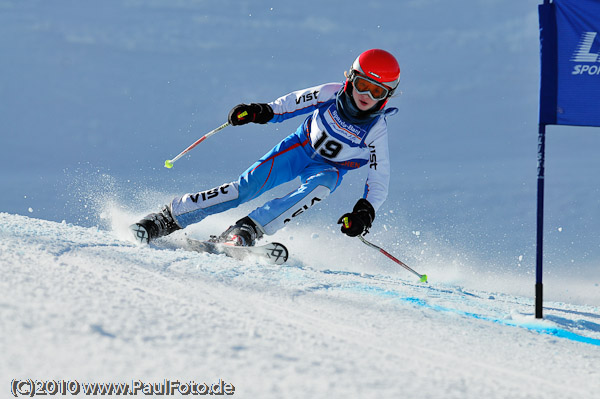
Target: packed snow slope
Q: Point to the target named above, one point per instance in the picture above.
(83, 304)
(96, 95)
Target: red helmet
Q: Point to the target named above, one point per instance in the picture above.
(378, 65)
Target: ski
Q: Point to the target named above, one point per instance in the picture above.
(272, 252)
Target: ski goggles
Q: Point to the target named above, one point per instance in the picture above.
(364, 85)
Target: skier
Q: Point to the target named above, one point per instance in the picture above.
(346, 129)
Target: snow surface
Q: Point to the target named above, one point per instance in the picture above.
(97, 94)
(87, 306)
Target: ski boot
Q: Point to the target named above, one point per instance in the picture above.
(244, 233)
(153, 226)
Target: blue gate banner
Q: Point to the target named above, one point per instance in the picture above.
(570, 62)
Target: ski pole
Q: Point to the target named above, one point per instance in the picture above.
(169, 162)
(422, 277)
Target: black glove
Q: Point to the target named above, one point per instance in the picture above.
(246, 113)
(359, 221)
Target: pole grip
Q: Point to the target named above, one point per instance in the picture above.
(346, 222)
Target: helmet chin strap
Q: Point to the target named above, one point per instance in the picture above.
(385, 100)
